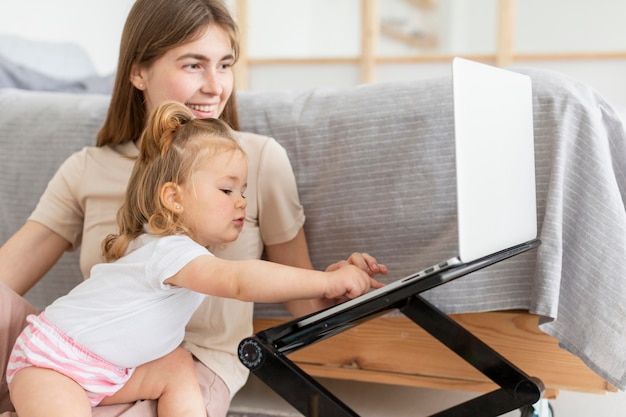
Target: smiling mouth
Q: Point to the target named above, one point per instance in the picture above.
(204, 108)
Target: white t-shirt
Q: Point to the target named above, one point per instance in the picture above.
(125, 313)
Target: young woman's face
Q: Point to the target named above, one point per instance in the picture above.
(213, 202)
(198, 74)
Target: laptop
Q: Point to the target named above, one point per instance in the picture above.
(495, 172)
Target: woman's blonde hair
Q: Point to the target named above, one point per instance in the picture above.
(152, 28)
(172, 147)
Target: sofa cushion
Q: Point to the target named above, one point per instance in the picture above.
(38, 130)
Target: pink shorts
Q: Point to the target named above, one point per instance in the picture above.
(41, 344)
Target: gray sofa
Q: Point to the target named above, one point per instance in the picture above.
(375, 171)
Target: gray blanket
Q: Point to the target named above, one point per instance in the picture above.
(375, 171)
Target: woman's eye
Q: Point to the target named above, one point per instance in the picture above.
(225, 64)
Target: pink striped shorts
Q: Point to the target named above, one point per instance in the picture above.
(41, 344)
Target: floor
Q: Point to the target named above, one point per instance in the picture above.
(377, 400)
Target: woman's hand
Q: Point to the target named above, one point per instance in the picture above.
(362, 260)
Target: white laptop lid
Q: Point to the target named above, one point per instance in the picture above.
(495, 163)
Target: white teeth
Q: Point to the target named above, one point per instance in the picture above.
(202, 108)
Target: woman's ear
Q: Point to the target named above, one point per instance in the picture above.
(137, 78)
(170, 197)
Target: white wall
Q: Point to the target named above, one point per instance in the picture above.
(304, 28)
(95, 25)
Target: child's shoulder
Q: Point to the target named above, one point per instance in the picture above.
(151, 242)
(162, 251)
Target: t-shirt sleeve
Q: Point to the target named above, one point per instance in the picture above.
(171, 254)
(280, 212)
(59, 208)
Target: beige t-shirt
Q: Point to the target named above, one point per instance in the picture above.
(81, 203)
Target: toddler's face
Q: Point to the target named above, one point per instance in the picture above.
(213, 200)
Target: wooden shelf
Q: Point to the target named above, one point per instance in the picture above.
(416, 39)
(423, 4)
(371, 30)
(419, 360)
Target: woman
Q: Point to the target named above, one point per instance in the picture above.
(181, 50)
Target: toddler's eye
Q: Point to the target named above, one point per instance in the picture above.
(227, 191)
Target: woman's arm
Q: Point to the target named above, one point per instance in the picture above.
(295, 253)
(28, 255)
(262, 281)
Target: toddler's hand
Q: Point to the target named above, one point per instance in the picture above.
(349, 281)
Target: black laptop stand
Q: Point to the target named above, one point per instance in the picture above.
(265, 352)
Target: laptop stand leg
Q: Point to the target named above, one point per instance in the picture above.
(289, 381)
(517, 388)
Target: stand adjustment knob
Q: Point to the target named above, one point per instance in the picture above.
(250, 353)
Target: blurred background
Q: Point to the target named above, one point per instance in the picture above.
(293, 44)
